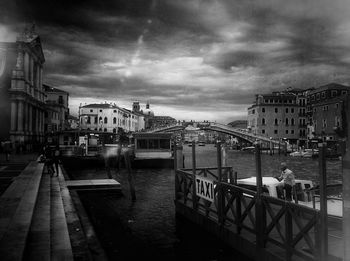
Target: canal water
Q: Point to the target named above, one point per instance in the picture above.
(149, 228)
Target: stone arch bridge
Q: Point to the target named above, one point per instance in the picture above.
(221, 128)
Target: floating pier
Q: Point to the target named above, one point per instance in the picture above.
(94, 184)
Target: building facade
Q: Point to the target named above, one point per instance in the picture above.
(22, 97)
(57, 111)
(280, 115)
(107, 117)
(327, 112)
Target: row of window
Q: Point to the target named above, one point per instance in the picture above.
(326, 107)
(322, 95)
(153, 144)
(119, 112)
(337, 122)
(105, 129)
(287, 122)
(287, 110)
(279, 101)
(302, 133)
(105, 120)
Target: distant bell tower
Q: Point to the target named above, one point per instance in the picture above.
(147, 105)
(136, 106)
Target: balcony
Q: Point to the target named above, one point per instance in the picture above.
(302, 125)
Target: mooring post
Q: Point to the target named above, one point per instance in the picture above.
(194, 197)
(271, 147)
(346, 188)
(175, 169)
(219, 190)
(260, 215)
(279, 147)
(323, 203)
(130, 176)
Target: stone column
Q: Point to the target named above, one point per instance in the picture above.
(26, 66)
(25, 116)
(36, 121)
(42, 122)
(31, 76)
(39, 124)
(20, 116)
(13, 115)
(37, 82)
(30, 109)
(40, 77)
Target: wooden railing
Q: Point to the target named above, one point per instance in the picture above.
(280, 224)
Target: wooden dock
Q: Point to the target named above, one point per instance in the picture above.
(259, 226)
(94, 184)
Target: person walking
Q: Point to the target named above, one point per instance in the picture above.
(7, 146)
(49, 160)
(287, 180)
(56, 158)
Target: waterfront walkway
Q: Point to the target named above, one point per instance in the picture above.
(38, 218)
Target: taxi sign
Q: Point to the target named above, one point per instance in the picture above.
(205, 188)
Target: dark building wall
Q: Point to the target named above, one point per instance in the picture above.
(5, 85)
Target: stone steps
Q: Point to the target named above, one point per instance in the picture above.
(39, 238)
(17, 205)
(61, 248)
(38, 220)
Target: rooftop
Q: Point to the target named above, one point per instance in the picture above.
(100, 105)
(330, 86)
(48, 88)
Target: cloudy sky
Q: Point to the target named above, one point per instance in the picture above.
(192, 59)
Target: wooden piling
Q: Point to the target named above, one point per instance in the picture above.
(260, 215)
(194, 197)
(346, 187)
(175, 170)
(219, 190)
(279, 148)
(130, 176)
(323, 230)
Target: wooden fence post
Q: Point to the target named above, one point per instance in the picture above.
(323, 203)
(219, 190)
(194, 197)
(289, 232)
(260, 213)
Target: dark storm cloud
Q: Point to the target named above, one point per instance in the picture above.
(191, 55)
(240, 58)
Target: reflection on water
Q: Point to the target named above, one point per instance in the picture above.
(148, 227)
(244, 164)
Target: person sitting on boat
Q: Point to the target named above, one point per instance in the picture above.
(287, 181)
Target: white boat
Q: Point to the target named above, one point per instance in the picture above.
(303, 191)
(250, 148)
(296, 154)
(271, 184)
(307, 153)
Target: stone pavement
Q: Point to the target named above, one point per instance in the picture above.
(38, 220)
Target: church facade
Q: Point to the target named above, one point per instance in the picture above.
(22, 98)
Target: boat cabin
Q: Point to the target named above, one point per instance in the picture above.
(270, 187)
(153, 145)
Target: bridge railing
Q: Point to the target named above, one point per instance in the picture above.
(244, 134)
(280, 225)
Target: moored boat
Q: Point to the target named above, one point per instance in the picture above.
(304, 193)
(153, 150)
